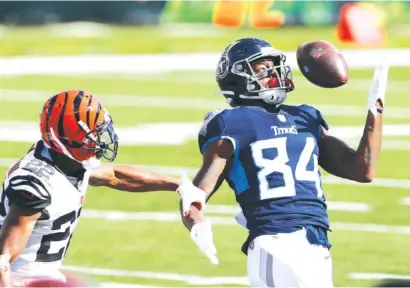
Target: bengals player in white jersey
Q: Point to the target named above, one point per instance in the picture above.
(43, 192)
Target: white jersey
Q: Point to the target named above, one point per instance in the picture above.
(35, 183)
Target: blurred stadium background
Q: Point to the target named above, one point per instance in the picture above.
(152, 64)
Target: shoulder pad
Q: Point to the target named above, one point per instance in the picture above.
(28, 191)
(316, 114)
(208, 117)
(28, 184)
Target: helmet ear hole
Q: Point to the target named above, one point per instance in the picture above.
(277, 60)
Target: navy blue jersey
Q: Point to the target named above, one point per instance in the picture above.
(275, 172)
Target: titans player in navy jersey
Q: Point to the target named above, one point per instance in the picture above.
(269, 153)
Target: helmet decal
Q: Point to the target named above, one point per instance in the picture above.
(223, 67)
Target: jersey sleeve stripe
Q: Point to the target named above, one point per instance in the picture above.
(30, 188)
(213, 139)
(20, 181)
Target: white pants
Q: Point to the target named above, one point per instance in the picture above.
(288, 260)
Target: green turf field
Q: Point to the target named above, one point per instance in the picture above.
(165, 247)
(371, 232)
(102, 39)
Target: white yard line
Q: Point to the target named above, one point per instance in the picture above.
(405, 201)
(357, 84)
(188, 279)
(230, 221)
(198, 280)
(331, 205)
(378, 182)
(377, 276)
(123, 285)
(369, 227)
(175, 170)
(180, 133)
(122, 100)
(186, 103)
(153, 63)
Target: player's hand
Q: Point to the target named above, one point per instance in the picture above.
(190, 195)
(378, 87)
(201, 234)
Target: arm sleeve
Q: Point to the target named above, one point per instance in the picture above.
(317, 120)
(214, 128)
(27, 191)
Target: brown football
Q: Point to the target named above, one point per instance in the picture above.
(322, 64)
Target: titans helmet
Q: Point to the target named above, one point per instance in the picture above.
(238, 81)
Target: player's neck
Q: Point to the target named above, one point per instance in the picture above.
(65, 164)
(268, 107)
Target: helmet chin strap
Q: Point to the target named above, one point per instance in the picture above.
(88, 164)
(274, 97)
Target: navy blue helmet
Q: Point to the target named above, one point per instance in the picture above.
(237, 80)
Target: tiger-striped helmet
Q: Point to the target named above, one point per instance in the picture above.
(75, 124)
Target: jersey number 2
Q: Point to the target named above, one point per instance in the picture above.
(43, 254)
(279, 165)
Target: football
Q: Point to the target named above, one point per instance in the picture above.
(322, 64)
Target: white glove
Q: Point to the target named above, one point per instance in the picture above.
(378, 87)
(201, 234)
(190, 194)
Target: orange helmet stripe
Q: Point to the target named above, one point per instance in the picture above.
(98, 113)
(85, 108)
(65, 115)
(60, 123)
(55, 115)
(50, 105)
(90, 110)
(80, 105)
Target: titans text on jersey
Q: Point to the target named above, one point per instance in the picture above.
(275, 172)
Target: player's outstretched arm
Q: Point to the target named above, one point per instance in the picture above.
(337, 158)
(131, 179)
(14, 234)
(216, 158)
(210, 176)
(359, 165)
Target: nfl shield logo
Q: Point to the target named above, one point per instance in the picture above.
(282, 117)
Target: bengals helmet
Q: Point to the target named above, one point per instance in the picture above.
(75, 124)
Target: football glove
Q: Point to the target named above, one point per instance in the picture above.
(190, 194)
(378, 86)
(201, 234)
